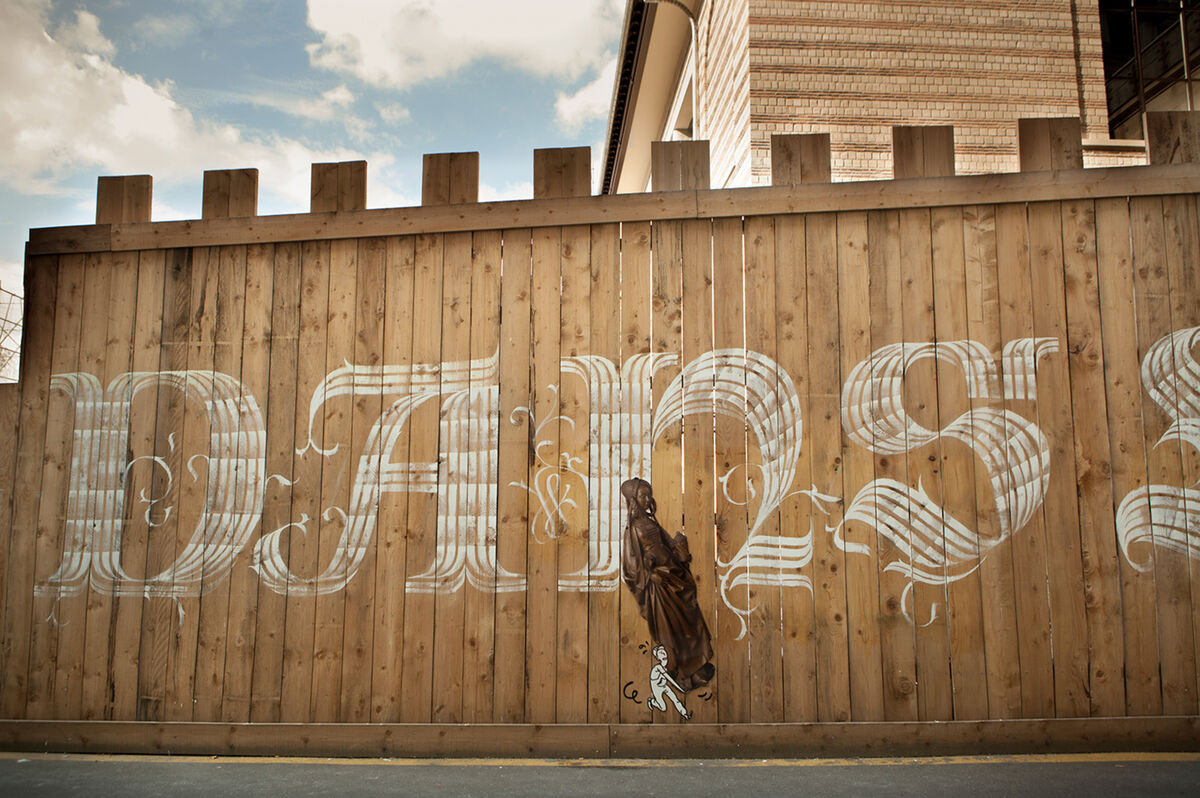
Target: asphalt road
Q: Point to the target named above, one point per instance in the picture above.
(1060, 776)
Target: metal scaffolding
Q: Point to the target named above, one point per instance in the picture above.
(11, 311)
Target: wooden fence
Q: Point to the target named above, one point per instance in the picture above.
(933, 442)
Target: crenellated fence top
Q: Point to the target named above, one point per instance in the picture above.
(1050, 159)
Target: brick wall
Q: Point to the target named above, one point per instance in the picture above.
(724, 100)
(854, 69)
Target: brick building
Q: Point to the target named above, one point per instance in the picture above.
(735, 72)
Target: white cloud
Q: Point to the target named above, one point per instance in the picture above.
(68, 109)
(84, 35)
(330, 104)
(400, 43)
(573, 111)
(165, 30)
(394, 113)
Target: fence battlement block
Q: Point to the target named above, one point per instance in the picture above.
(925, 151)
(230, 193)
(679, 166)
(1173, 136)
(797, 159)
(1050, 144)
(562, 172)
(450, 178)
(338, 186)
(124, 198)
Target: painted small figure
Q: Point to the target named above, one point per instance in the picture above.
(657, 570)
(661, 684)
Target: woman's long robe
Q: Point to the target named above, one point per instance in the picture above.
(656, 569)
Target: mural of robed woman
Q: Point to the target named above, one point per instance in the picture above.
(656, 568)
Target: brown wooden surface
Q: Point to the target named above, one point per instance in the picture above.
(338, 186)
(1173, 137)
(802, 158)
(125, 198)
(1044, 144)
(450, 178)
(856, 195)
(625, 741)
(229, 193)
(1054, 617)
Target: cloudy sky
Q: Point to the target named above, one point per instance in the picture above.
(171, 88)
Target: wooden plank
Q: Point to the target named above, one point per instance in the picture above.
(337, 477)
(1029, 543)
(266, 682)
(699, 477)
(1068, 615)
(105, 653)
(920, 391)
(229, 193)
(848, 196)
(800, 651)
(453, 475)
(352, 186)
(417, 695)
(964, 611)
(125, 198)
(763, 741)
(800, 158)
(562, 172)
(574, 405)
(83, 497)
(1081, 739)
(1183, 248)
(159, 614)
(1152, 314)
(145, 344)
(55, 478)
(214, 604)
(307, 467)
(896, 632)
(1045, 144)
(479, 627)
(10, 433)
(1093, 458)
(388, 651)
(1173, 137)
(824, 417)
(323, 194)
(358, 636)
(196, 495)
(858, 469)
(28, 458)
(999, 631)
(450, 178)
(516, 445)
(637, 290)
(604, 627)
(541, 643)
(666, 455)
(1143, 686)
(241, 642)
(772, 634)
(730, 639)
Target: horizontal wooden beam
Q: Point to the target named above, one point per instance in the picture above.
(1129, 181)
(693, 740)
